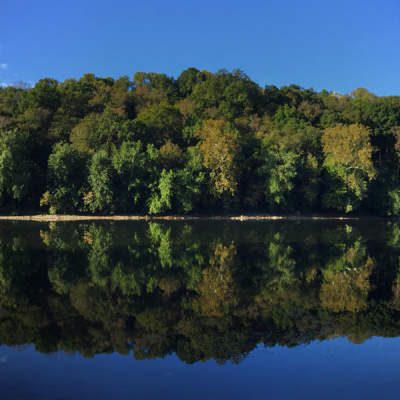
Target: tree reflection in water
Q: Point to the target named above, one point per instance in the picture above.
(201, 290)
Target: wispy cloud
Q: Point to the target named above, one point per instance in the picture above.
(17, 85)
(3, 66)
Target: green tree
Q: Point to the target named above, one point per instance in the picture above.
(277, 172)
(101, 131)
(101, 184)
(67, 180)
(17, 169)
(164, 123)
(134, 170)
(161, 199)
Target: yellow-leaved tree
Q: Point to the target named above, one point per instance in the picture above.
(219, 148)
(348, 161)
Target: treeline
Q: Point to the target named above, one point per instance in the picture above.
(201, 143)
(157, 289)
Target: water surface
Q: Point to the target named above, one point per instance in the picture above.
(252, 310)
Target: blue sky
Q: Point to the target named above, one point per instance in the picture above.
(324, 44)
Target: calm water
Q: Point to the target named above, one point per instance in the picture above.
(255, 310)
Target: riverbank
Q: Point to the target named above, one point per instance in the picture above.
(53, 218)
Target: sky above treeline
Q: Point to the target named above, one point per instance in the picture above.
(335, 45)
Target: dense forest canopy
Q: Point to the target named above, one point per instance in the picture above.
(199, 290)
(204, 142)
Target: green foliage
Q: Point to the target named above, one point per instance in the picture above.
(101, 131)
(16, 168)
(309, 181)
(189, 182)
(224, 143)
(101, 177)
(67, 180)
(45, 94)
(188, 80)
(278, 171)
(161, 199)
(134, 170)
(163, 121)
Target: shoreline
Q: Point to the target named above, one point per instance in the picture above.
(53, 218)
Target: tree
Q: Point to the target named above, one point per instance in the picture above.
(348, 160)
(161, 199)
(188, 79)
(226, 94)
(134, 171)
(278, 171)
(101, 178)
(16, 169)
(223, 143)
(190, 182)
(163, 121)
(101, 131)
(220, 149)
(241, 97)
(45, 94)
(153, 88)
(67, 180)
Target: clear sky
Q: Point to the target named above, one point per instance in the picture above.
(324, 44)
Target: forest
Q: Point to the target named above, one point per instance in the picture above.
(154, 289)
(203, 143)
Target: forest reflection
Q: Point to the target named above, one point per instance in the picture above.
(202, 290)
